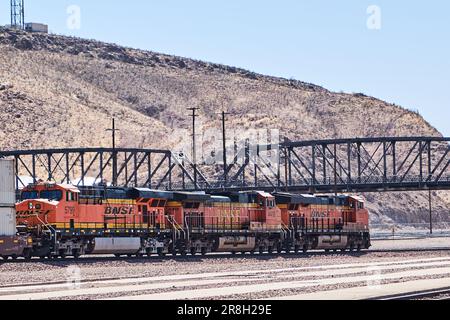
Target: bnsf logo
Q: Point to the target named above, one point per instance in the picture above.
(317, 214)
(118, 211)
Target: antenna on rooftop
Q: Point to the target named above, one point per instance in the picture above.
(17, 14)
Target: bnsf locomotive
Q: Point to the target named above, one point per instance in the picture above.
(63, 220)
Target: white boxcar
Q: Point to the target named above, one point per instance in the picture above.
(7, 222)
(7, 183)
(7, 198)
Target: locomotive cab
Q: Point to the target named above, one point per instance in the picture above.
(40, 204)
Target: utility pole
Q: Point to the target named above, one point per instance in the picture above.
(194, 147)
(431, 211)
(114, 152)
(224, 145)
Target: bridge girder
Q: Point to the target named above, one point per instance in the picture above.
(326, 166)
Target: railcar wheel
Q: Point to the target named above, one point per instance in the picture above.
(270, 250)
(193, 251)
(327, 250)
(261, 250)
(14, 257)
(297, 249)
(27, 254)
(62, 254)
(5, 258)
(343, 250)
(117, 255)
(76, 254)
(279, 249)
(359, 248)
(204, 251)
(305, 249)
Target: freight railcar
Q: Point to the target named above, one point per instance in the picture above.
(60, 220)
(12, 245)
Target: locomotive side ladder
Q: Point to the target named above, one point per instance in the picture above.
(178, 231)
(51, 230)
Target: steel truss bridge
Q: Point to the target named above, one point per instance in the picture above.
(325, 166)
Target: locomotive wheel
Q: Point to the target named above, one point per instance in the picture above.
(117, 255)
(184, 253)
(14, 257)
(160, 252)
(62, 254)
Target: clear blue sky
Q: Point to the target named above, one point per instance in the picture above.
(328, 43)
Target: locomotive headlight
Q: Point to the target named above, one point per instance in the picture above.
(30, 206)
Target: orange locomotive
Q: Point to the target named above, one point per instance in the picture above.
(64, 220)
(326, 223)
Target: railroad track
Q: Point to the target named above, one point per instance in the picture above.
(248, 282)
(212, 256)
(440, 294)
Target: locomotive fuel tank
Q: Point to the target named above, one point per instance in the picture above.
(115, 246)
(236, 244)
(332, 242)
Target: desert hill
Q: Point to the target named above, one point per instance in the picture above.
(58, 91)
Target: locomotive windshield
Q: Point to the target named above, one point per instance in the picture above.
(30, 195)
(51, 195)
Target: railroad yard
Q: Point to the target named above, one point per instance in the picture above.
(390, 270)
(128, 174)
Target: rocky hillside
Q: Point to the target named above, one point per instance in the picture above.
(59, 91)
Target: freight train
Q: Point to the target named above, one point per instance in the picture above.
(58, 220)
